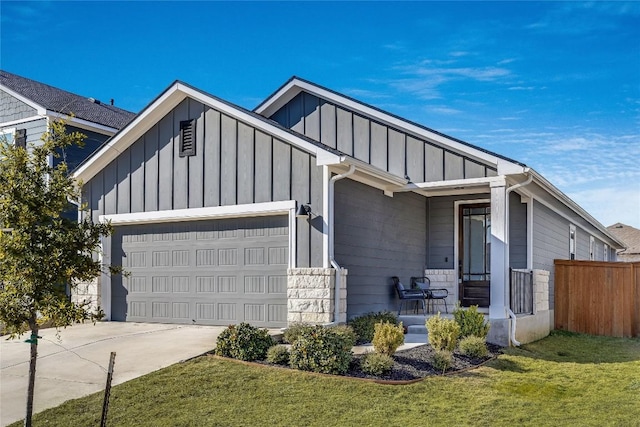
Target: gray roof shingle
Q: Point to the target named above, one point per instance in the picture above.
(64, 102)
(629, 235)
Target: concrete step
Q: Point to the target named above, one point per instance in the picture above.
(415, 338)
(417, 329)
(408, 320)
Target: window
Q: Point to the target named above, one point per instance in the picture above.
(7, 135)
(14, 136)
(188, 138)
(572, 241)
(592, 248)
(20, 138)
(606, 252)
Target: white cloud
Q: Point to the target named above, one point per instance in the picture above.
(619, 203)
(444, 110)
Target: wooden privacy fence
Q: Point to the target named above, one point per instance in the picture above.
(598, 298)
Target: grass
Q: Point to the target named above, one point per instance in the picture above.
(565, 379)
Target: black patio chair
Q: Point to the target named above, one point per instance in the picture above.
(406, 295)
(431, 294)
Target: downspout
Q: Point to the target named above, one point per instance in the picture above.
(506, 254)
(332, 260)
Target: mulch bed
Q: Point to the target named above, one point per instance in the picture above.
(414, 364)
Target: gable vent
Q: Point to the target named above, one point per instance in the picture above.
(188, 138)
(20, 139)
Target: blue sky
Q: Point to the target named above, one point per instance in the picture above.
(555, 85)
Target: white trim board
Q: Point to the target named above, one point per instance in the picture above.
(456, 232)
(196, 214)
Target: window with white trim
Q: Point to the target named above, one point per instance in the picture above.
(592, 248)
(6, 135)
(572, 241)
(606, 252)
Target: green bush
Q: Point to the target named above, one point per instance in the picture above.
(471, 322)
(347, 333)
(278, 354)
(376, 363)
(364, 325)
(295, 330)
(387, 337)
(443, 333)
(442, 360)
(321, 350)
(473, 346)
(244, 342)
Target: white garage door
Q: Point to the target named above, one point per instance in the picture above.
(212, 272)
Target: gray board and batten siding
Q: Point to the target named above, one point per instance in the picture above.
(441, 229)
(235, 163)
(238, 274)
(366, 139)
(377, 237)
(211, 272)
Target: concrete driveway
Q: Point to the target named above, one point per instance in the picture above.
(75, 365)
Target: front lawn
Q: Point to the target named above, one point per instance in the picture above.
(565, 379)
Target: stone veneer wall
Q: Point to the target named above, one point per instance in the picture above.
(444, 279)
(87, 292)
(540, 291)
(310, 295)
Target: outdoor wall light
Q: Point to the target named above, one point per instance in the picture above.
(303, 211)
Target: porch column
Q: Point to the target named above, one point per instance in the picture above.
(499, 284)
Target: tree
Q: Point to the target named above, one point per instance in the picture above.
(42, 251)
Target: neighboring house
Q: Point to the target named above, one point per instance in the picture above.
(204, 195)
(630, 236)
(27, 106)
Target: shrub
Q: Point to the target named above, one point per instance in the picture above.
(244, 342)
(443, 333)
(387, 337)
(471, 322)
(295, 330)
(278, 354)
(347, 333)
(364, 325)
(322, 350)
(441, 360)
(473, 346)
(376, 363)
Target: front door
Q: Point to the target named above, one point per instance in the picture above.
(474, 254)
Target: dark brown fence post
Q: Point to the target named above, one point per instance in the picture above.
(107, 390)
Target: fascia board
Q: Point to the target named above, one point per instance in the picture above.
(197, 214)
(130, 133)
(39, 108)
(456, 184)
(15, 123)
(276, 101)
(81, 123)
(379, 174)
(287, 92)
(262, 125)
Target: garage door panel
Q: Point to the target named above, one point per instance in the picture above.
(206, 272)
